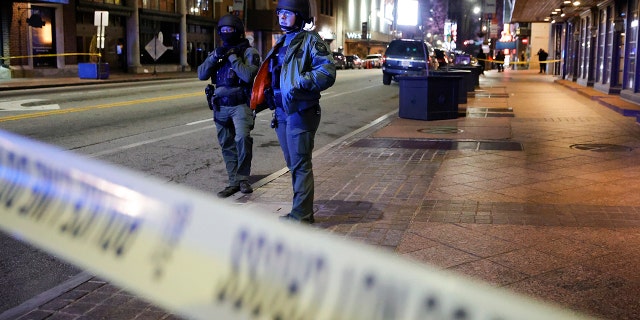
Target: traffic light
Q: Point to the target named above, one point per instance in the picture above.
(35, 21)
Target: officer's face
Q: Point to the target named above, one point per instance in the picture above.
(227, 29)
(286, 18)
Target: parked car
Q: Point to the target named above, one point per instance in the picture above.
(407, 57)
(464, 59)
(339, 60)
(353, 62)
(373, 61)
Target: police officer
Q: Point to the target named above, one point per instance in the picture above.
(301, 66)
(232, 68)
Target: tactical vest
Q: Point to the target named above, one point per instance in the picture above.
(225, 76)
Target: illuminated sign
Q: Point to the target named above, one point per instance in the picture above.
(407, 13)
(353, 35)
(55, 1)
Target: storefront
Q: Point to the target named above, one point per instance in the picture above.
(595, 51)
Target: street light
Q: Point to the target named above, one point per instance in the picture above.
(366, 32)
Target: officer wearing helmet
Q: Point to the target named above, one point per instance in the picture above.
(301, 66)
(232, 68)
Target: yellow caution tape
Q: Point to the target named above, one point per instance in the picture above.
(519, 62)
(206, 258)
(51, 55)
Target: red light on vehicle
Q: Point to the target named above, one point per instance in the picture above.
(384, 58)
(525, 41)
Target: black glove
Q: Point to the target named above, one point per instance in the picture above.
(218, 57)
(233, 50)
(219, 53)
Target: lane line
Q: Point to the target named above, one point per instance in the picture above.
(327, 96)
(100, 106)
(148, 141)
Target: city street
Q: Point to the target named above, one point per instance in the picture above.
(163, 129)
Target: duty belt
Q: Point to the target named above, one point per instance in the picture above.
(231, 100)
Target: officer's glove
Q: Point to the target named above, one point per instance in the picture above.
(218, 57)
(220, 53)
(233, 50)
(233, 54)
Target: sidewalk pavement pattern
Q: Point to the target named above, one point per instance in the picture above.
(534, 190)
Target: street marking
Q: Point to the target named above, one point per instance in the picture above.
(198, 122)
(19, 105)
(330, 95)
(99, 106)
(144, 142)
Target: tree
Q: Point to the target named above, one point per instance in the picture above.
(435, 16)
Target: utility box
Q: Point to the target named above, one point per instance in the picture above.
(466, 83)
(475, 69)
(429, 97)
(93, 70)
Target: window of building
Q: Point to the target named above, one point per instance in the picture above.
(326, 7)
(632, 46)
(160, 5)
(116, 2)
(198, 7)
(601, 46)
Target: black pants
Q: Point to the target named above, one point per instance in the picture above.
(543, 67)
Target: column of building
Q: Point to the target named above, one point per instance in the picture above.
(182, 9)
(133, 39)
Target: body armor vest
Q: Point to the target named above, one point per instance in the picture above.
(225, 76)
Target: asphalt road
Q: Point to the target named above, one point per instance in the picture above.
(163, 129)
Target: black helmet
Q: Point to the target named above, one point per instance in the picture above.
(300, 7)
(231, 21)
(234, 37)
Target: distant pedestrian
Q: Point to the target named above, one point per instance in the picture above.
(542, 57)
(482, 59)
(122, 62)
(500, 60)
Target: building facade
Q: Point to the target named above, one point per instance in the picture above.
(598, 48)
(144, 36)
(140, 36)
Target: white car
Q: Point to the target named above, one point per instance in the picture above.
(373, 61)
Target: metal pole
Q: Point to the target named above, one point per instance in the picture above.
(155, 53)
(98, 38)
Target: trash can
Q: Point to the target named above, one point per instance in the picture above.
(430, 97)
(466, 83)
(476, 69)
(91, 70)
